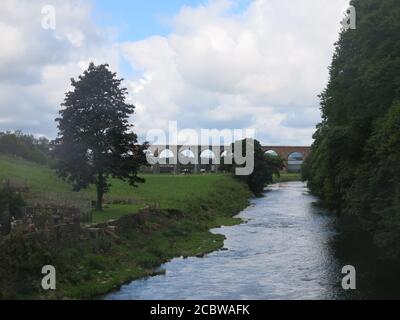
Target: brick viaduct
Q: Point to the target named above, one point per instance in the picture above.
(285, 152)
(170, 155)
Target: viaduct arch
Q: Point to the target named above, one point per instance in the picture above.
(293, 156)
(206, 158)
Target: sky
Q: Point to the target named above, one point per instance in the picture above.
(207, 64)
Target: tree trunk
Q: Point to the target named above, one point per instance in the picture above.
(100, 192)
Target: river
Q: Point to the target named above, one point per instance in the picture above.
(282, 251)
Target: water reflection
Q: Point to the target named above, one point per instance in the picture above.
(282, 252)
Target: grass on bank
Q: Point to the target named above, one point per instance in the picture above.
(114, 212)
(160, 191)
(140, 251)
(94, 267)
(287, 177)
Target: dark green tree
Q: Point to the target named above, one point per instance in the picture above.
(265, 166)
(354, 162)
(95, 140)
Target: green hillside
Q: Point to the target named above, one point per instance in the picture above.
(164, 191)
(93, 267)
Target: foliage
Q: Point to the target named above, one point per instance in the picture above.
(354, 164)
(12, 202)
(265, 167)
(93, 267)
(94, 140)
(25, 146)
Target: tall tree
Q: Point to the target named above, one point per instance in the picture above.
(354, 163)
(95, 140)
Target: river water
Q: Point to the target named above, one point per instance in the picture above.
(282, 251)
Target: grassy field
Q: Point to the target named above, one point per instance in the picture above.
(96, 266)
(287, 177)
(160, 191)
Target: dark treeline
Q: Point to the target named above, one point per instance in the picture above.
(355, 162)
(25, 146)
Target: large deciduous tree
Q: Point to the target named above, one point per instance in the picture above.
(95, 140)
(354, 164)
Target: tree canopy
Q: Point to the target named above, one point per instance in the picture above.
(265, 166)
(354, 163)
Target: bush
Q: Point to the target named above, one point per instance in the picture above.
(11, 204)
(265, 167)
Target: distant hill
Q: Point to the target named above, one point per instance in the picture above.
(25, 146)
(40, 178)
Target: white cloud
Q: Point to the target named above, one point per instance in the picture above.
(36, 64)
(262, 68)
(232, 70)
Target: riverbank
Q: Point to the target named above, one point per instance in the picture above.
(177, 224)
(282, 252)
(161, 235)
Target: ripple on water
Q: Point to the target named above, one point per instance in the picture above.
(281, 252)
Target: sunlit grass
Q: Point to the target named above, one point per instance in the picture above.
(115, 211)
(95, 266)
(287, 177)
(161, 191)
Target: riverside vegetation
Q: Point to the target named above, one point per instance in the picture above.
(354, 166)
(98, 157)
(187, 208)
